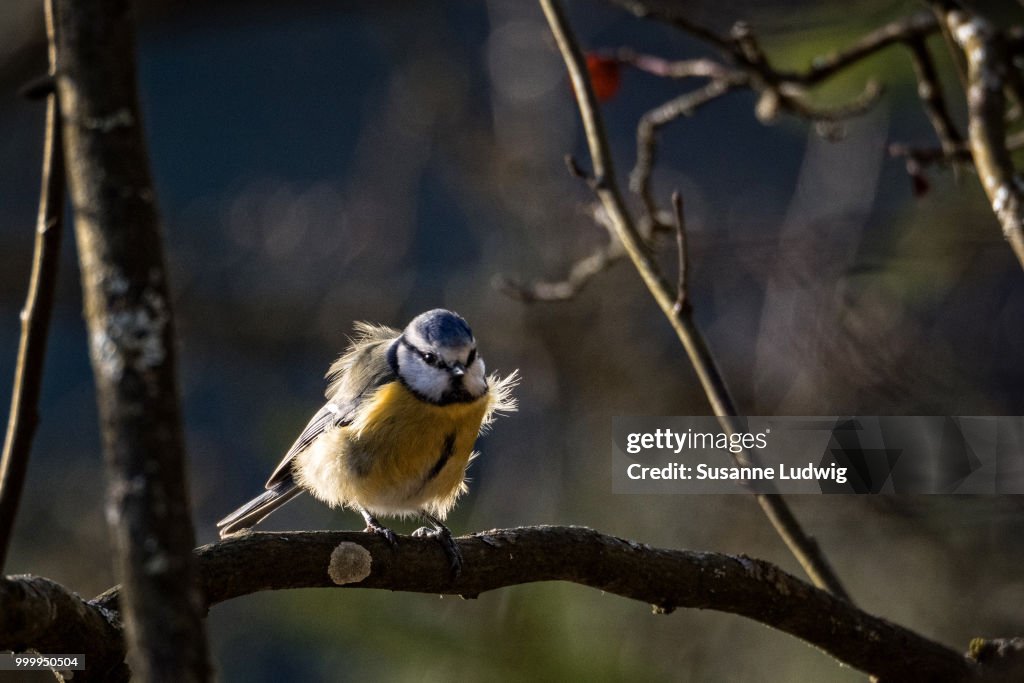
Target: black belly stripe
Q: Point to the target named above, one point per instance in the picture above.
(446, 454)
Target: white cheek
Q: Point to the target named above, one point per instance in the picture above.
(476, 379)
(425, 380)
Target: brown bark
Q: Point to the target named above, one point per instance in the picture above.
(131, 333)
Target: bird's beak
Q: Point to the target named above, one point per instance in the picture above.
(457, 369)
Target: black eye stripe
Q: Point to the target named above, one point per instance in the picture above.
(427, 357)
(432, 359)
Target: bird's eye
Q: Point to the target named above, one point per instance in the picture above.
(471, 358)
(430, 358)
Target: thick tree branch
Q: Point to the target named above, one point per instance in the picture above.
(666, 579)
(35, 326)
(131, 333)
(38, 614)
(987, 66)
(606, 187)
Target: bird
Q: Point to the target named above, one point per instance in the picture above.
(396, 434)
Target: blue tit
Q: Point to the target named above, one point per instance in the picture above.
(397, 432)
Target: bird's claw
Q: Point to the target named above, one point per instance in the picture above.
(451, 548)
(380, 530)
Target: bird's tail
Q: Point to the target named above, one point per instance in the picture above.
(258, 508)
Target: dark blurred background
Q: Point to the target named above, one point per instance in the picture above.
(319, 163)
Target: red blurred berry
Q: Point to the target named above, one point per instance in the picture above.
(605, 76)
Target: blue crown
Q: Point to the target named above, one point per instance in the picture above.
(441, 327)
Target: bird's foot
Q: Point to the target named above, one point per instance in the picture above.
(451, 548)
(375, 527)
(387, 533)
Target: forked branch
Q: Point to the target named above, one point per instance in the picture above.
(690, 335)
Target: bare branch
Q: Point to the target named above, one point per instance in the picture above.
(35, 326)
(666, 579)
(131, 333)
(822, 68)
(959, 63)
(779, 91)
(580, 274)
(800, 544)
(918, 159)
(646, 132)
(782, 91)
(930, 156)
(682, 299)
(675, 69)
(38, 614)
(643, 11)
(929, 89)
(985, 51)
(742, 49)
(908, 29)
(798, 105)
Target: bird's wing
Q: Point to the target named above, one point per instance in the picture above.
(321, 422)
(354, 376)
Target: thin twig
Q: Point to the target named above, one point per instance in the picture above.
(674, 69)
(785, 91)
(917, 160)
(959, 63)
(822, 67)
(929, 89)
(35, 325)
(580, 274)
(646, 131)
(576, 171)
(800, 544)
(915, 27)
(1013, 41)
(682, 299)
(930, 156)
(779, 90)
(798, 105)
(642, 11)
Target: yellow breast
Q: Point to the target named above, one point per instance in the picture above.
(403, 454)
